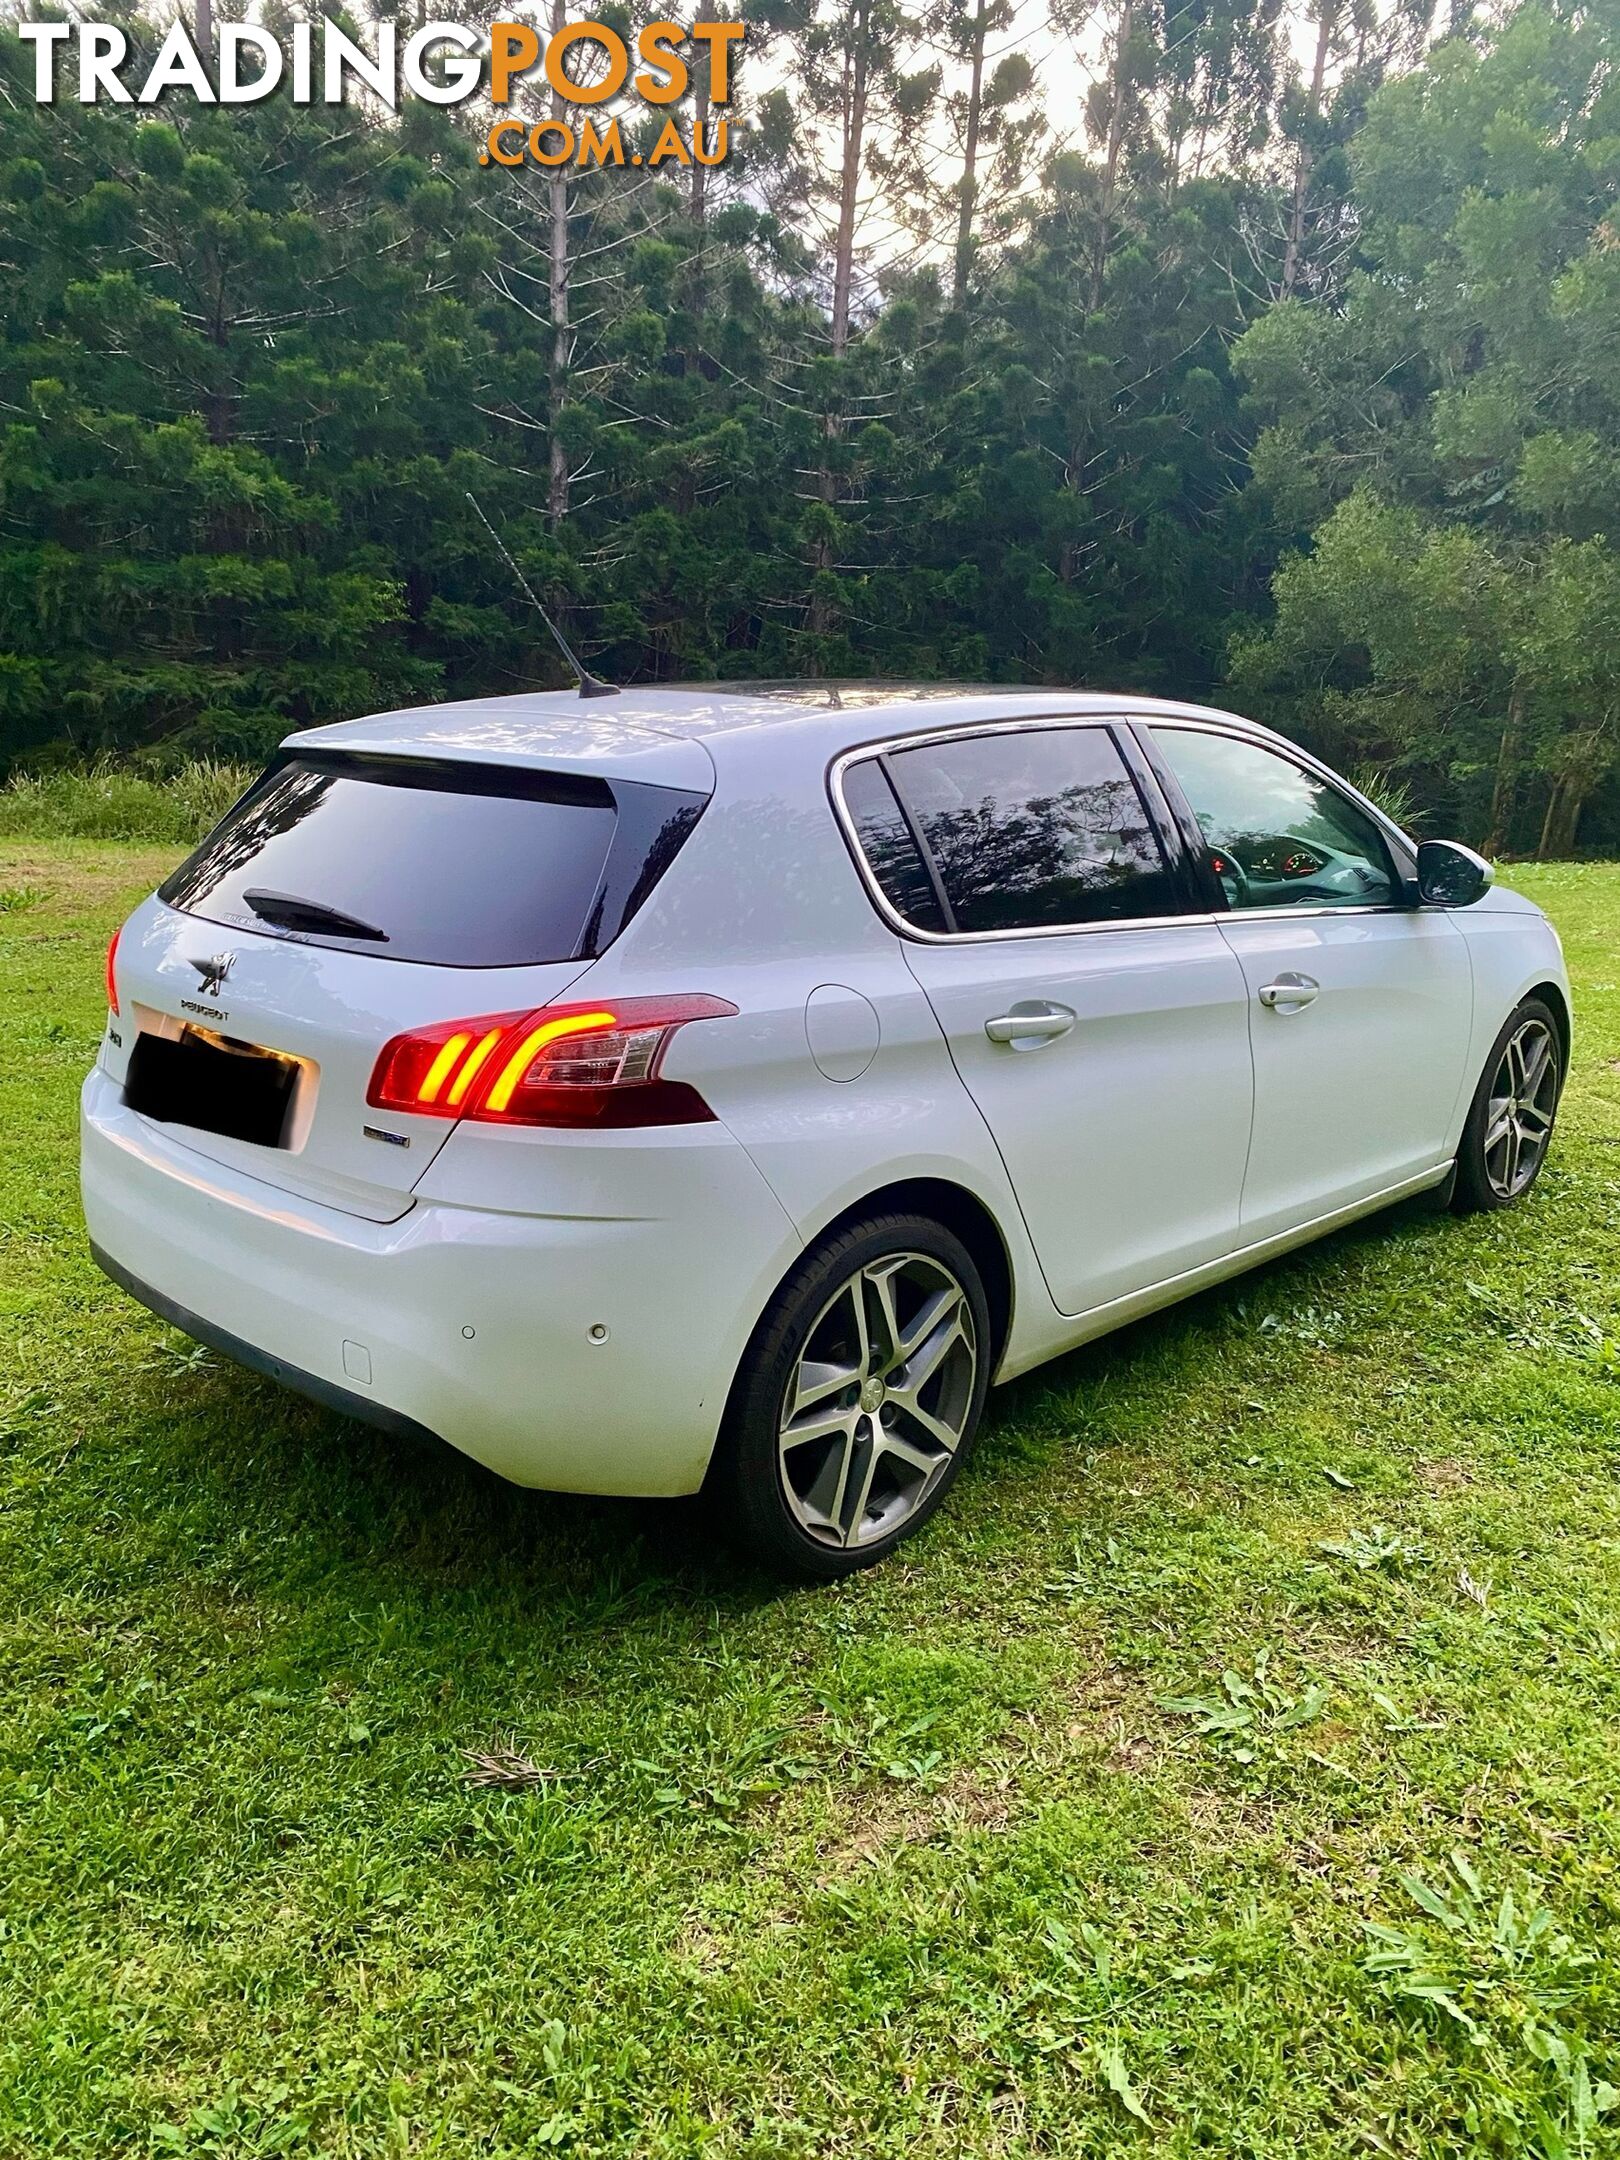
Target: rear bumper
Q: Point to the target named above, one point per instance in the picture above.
(473, 1324)
(343, 1400)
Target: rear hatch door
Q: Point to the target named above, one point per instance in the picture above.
(348, 899)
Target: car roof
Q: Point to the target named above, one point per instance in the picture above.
(673, 736)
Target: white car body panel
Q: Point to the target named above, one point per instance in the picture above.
(570, 1308)
(775, 906)
(475, 1321)
(548, 734)
(1355, 1091)
(1512, 950)
(1156, 1068)
(331, 1007)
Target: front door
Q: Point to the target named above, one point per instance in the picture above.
(1103, 1038)
(1360, 1006)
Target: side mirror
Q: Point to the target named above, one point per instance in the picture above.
(1451, 875)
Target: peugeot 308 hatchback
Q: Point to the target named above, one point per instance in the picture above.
(726, 1086)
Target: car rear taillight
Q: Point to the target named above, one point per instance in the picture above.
(112, 971)
(581, 1065)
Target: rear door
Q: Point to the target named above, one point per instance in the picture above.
(347, 899)
(1360, 1006)
(1100, 1027)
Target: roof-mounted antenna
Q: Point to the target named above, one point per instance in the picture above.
(589, 685)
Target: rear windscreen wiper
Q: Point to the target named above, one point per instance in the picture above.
(291, 913)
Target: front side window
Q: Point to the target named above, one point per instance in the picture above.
(1277, 836)
(1034, 829)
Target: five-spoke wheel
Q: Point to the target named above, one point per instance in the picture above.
(879, 1400)
(1510, 1122)
(1523, 1100)
(858, 1397)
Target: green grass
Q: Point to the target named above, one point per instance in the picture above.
(112, 801)
(1232, 1770)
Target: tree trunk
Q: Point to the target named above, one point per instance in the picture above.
(818, 619)
(1562, 822)
(1505, 789)
(857, 70)
(557, 209)
(1070, 553)
(970, 162)
(1206, 120)
(1116, 144)
(857, 61)
(203, 30)
(702, 90)
(697, 284)
(1293, 255)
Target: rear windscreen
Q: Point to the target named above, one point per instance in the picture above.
(462, 866)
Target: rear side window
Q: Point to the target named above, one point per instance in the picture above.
(890, 846)
(1032, 829)
(458, 865)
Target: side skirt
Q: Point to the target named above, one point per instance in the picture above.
(1120, 1312)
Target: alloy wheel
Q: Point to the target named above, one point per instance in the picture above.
(878, 1399)
(1519, 1113)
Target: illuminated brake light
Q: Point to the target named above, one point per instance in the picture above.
(471, 1066)
(442, 1067)
(589, 1066)
(112, 972)
(538, 1039)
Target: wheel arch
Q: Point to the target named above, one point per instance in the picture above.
(961, 1212)
(1552, 995)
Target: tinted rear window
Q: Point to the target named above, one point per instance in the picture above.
(461, 866)
(890, 847)
(1034, 828)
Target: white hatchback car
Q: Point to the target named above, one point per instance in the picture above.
(728, 1083)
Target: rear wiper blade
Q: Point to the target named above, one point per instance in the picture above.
(292, 913)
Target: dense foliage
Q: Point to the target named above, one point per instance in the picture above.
(1287, 368)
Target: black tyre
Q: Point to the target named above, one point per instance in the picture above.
(1510, 1121)
(857, 1400)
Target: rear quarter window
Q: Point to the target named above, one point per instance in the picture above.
(890, 846)
(456, 865)
(1013, 829)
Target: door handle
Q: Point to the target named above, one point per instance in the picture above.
(1289, 993)
(1029, 1024)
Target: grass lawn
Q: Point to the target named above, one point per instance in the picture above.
(1232, 1770)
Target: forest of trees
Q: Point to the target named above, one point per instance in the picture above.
(1274, 359)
